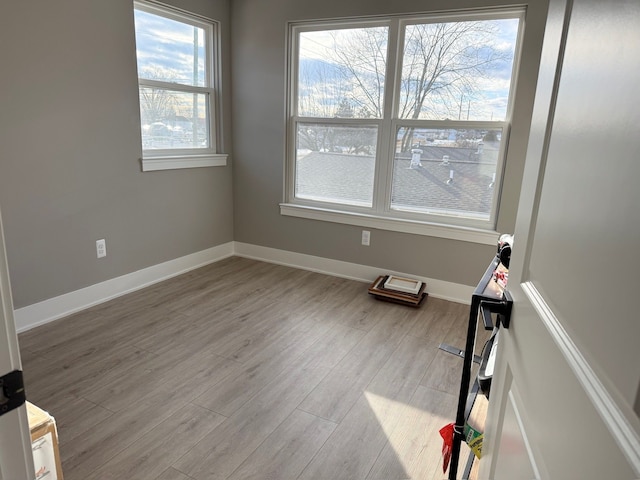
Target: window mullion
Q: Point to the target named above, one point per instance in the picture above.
(385, 149)
(178, 87)
(337, 120)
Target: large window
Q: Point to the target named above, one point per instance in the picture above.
(404, 118)
(177, 80)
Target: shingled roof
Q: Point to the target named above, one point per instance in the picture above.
(349, 178)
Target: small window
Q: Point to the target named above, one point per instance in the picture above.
(177, 84)
(404, 118)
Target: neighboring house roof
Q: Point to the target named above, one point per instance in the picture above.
(326, 176)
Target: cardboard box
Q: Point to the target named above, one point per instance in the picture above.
(44, 442)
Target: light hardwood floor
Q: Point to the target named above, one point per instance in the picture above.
(247, 370)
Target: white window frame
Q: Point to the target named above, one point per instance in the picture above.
(169, 159)
(380, 215)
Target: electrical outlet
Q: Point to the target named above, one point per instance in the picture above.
(101, 248)
(366, 237)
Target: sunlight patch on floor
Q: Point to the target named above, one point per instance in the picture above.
(412, 435)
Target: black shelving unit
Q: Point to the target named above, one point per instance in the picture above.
(488, 298)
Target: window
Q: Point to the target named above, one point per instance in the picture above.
(402, 120)
(177, 80)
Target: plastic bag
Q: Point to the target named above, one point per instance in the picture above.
(446, 433)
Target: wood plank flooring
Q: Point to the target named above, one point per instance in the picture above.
(246, 370)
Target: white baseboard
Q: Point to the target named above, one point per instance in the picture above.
(436, 288)
(48, 310)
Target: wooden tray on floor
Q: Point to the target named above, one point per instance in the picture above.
(378, 290)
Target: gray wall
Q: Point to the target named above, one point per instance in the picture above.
(70, 149)
(258, 102)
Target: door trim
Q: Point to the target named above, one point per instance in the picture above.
(16, 457)
(615, 419)
(514, 399)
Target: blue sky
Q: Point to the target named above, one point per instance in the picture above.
(166, 48)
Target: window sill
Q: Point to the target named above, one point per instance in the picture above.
(150, 164)
(465, 234)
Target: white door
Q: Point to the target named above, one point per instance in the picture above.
(564, 399)
(16, 460)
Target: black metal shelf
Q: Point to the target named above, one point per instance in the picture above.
(488, 298)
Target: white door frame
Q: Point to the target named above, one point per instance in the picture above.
(16, 457)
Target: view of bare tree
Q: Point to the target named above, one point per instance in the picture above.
(156, 104)
(362, 59)
(441, 66)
